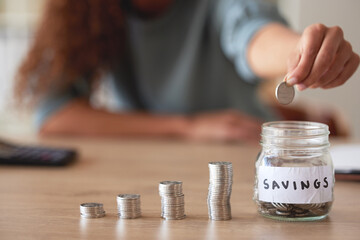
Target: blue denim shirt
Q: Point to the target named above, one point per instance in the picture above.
(192, 58)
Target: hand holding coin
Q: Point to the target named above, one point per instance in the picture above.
(321, 59)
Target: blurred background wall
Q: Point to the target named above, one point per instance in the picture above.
(18, 19)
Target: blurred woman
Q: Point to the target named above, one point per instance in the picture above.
(185, 69)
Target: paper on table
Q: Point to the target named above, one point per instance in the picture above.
(346, 158)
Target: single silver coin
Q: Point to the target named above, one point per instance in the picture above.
(284, 93)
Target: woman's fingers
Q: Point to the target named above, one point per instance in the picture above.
(326, 56)
(241, 127)
(337, 66)
(249, 128)
(349, 69)
(225, 126)
(237, 133)
(308, 49)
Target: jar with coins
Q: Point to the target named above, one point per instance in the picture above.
(294, 172)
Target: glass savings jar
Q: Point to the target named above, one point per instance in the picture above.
(294, 172)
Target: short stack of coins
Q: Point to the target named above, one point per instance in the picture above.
(220, 185)
(172, 200)
(92, 210)
(128, 206)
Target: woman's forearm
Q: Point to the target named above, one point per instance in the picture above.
(79, 118)
(269, 50)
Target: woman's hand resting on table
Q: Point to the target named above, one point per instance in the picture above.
(224, 126)
(79, 118)
(322, 58)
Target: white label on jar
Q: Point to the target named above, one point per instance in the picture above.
(295, 184)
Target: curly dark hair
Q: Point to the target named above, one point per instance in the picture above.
(75, 39)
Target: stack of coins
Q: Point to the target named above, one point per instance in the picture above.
(220, 185)
(128, 205)
(92, 210)
(172, 200)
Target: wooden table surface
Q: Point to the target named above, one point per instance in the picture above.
(43, 202)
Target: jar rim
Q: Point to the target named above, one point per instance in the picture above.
(294, 129)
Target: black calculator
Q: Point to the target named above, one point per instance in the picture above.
(35, 155)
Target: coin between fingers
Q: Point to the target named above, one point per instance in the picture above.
(284, 93)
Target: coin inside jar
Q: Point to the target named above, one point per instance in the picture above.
(284, 93)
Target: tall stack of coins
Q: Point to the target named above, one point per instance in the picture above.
(92, 210)
(172, 200)
(128, 205)
(219, 194)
